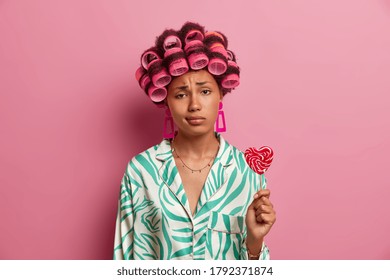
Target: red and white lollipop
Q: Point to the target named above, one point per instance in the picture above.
(259, 159)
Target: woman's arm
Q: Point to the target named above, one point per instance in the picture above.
(124, 234)
(260, 217)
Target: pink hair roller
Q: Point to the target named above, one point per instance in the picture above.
(194, 35)
(144, 81)
(218, 66)
(219, 48)
(139, 73)
(159, 74)
(147, 58)
(157, 94)
(231, 80)
(162, 78)
(196, 57)
(178, 64)
(214, 33)
(172, 42)
(142, 77)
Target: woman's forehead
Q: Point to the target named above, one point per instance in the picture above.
(198, 77)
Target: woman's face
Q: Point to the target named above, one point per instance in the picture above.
(193, 100)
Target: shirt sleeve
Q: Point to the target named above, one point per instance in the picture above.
(124, 230)
(264, 253)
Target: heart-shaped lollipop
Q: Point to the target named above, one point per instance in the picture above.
(259, 159)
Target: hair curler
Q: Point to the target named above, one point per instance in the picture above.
(148, 57)
(176, 61)
(194, 35)
(171, 41)
(196, 55)
(232, 78)
(142, 77)
(159, 74)
(157, 94)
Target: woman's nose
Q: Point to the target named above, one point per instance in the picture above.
(194, 103)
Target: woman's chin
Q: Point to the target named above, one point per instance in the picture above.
(197, 130)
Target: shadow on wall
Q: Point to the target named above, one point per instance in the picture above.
(145, 125)
(138, 126)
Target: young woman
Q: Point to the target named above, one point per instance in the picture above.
(192, 196)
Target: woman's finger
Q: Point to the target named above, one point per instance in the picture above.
(266, 209)
(262, 201)
(262, 193)
(266, 218)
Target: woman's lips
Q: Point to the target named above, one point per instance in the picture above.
(195, 120)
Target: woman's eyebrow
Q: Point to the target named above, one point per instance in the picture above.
(201, 83)
(197, 83)
(182, 87)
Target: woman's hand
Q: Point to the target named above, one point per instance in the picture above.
(260, 217)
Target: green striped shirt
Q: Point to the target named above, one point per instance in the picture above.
(154, 219)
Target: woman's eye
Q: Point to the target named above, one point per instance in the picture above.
(206, 91)
(180, 95)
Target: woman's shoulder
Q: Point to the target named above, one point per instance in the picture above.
(238, 157)
(236, 153)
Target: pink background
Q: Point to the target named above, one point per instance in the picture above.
(315, 87)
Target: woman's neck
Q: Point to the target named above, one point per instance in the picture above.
(196, 147)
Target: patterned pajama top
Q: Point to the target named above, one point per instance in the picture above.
(154, 219)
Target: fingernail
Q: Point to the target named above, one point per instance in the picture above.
(255, 196)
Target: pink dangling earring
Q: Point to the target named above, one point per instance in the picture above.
(169, 129)
(221, 115)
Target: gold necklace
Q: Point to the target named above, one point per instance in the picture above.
(194, 170)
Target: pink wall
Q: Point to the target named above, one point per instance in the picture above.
(315, 87)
